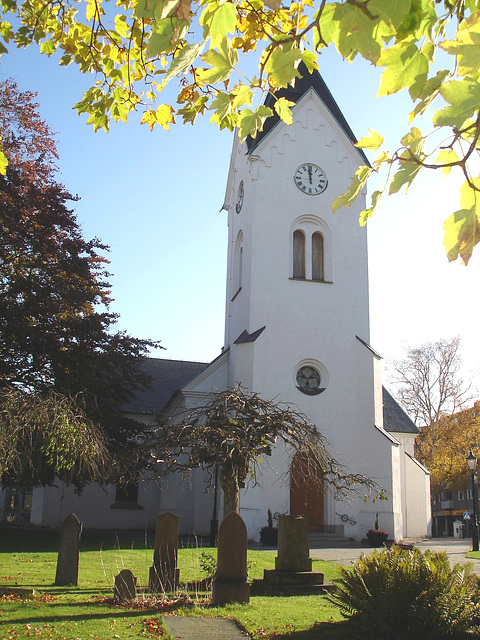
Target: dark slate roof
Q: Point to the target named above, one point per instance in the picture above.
(248, 337)
(302, 85)
(168, 376)
(395, 420)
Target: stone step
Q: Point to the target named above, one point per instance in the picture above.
(260, 587)
(330, 541)
(292, 578)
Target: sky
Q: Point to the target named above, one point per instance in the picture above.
(155, 199)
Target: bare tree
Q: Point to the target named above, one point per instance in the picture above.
(432, 391)
(236, 431)
(429, 382)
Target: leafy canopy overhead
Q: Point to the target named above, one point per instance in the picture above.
(136, 47)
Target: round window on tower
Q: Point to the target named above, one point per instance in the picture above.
(311, 378)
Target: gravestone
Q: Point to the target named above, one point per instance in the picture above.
(293, 546)
(293, 567)
(164, 573)
(125, 586)
(68, 551)
(230, 584)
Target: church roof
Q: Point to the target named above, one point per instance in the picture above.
(294, 93)
(395, 420)
(169, 376)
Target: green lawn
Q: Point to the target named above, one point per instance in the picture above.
(86, 612)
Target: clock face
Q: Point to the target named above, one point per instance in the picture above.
(308, 379)
(310, 179)
(241, 193)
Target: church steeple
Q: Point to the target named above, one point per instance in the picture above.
(294, 93)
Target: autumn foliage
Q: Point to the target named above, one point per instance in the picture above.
(428, 49)
(444, 445)
(56, 332)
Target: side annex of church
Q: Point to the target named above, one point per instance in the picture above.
(296, 331)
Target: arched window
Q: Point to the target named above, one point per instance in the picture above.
(310, 249)
(238, 264)
(298, 254)
(318, 270)
(240, 268)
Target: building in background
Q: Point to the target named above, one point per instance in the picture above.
(296, 330)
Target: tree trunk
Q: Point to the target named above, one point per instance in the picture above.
(231, 495)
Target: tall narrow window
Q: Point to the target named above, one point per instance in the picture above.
(238, 264)
(318, 271)
(240, 267)
(298, 254)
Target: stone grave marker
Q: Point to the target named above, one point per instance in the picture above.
(293, 567)
(164, 573)
(293, 547)
(230, 584)
(68, 551)
(125, 586)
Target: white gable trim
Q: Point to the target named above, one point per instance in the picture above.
(311, 94)
(206, 373)
(388, 436)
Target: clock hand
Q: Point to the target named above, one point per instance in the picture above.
(310, 173)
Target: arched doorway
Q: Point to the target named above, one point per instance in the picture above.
(306, 495)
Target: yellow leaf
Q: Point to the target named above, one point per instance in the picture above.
(150, 118)
(373, 141)
(91, 10)
(446, 157)
(165, 116)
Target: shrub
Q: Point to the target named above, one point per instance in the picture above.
(396, 594)
(209, 564)
(269, 534)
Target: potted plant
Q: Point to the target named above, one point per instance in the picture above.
(269, 534)
(377, 537)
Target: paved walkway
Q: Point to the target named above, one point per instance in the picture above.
(456, 550)
(185, 628)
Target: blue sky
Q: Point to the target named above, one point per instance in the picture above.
(155, 199)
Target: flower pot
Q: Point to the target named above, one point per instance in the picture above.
(269, 536)
(377, 538)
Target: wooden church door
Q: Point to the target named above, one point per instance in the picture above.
(306, 496)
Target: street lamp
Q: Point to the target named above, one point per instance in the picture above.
(472, 465)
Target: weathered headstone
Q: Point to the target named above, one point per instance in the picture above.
(293, 547)
(68, 551)
(293, 568)
(230, 584)
(125, 586)
(164, 573)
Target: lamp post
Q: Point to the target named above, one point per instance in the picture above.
(472, 465)
(214, 520)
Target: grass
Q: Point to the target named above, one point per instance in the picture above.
(87, 612)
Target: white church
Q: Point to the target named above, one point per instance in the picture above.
(297, 331)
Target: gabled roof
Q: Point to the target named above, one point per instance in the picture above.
(395, 420)
(294, 93)
(168, 376)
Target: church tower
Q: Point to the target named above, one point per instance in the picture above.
(297, 307)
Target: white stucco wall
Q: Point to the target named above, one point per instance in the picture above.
(306, 320)
(418, 505)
